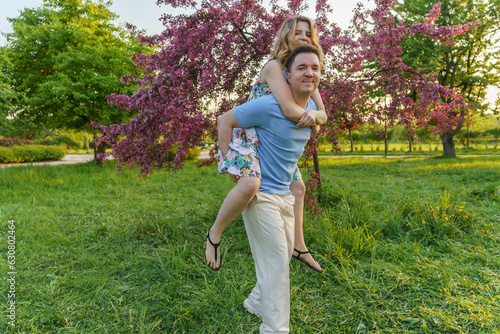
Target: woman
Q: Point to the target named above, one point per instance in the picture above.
(242, 160)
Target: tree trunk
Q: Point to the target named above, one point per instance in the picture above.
(409, 142)
(385, 137)
(385, 144)
(100, 149)
(448, 145)
(87, 142)
(97, 150)
(467, 134)
(316, 167)
(350, 138)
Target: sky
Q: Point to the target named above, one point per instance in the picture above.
(145, 14)
(142, 13)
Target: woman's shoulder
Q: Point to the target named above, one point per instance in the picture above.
(271, 63)
(271, 68)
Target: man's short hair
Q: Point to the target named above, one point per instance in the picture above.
(303, 48)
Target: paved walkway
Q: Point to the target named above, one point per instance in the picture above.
(69, 159)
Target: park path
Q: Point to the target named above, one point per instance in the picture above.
(69, 159)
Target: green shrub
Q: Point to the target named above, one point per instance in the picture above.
(7, 142)
(46, 141)
(69, 141)
(356, 137)
(7, 155)
(193, 154)
(61, 140)
(30, 153)
(495, 133)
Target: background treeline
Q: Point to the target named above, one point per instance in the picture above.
(424, 135)
(482, 132)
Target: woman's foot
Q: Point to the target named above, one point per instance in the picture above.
(212, 251)
(307, 259)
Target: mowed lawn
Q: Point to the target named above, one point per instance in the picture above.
(408, 246)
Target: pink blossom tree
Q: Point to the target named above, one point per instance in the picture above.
(372, 83)
(207, 61)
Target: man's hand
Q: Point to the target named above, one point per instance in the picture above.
(307, 120)
(233, 177)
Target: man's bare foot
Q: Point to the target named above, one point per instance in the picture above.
(212, 251)
(307, 259)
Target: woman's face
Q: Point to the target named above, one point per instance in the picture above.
(302, 34)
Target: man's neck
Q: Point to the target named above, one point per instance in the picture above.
(301, 100)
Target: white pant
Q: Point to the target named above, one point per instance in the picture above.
(269, 223)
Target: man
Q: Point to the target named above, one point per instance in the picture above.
(269, 219)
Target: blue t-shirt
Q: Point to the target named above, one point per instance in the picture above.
(281, 141)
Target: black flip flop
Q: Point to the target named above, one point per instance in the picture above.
(215, 249)
(297, 257)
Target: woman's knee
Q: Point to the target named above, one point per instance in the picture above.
(249, 186)
(298, 188)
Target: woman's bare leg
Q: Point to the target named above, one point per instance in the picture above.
(298, 190)
(235, 202)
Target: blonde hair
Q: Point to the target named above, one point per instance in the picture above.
(283, 42)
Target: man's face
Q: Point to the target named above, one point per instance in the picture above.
(304, 73)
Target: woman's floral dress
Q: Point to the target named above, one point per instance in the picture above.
(242, 158)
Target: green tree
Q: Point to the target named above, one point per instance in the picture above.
(471, 65)
(8, 96)
(9, 99)
(67, 57)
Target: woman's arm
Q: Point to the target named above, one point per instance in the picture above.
(320, 114)
(272, 75)
(314, 117)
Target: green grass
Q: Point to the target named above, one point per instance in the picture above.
(408, 246)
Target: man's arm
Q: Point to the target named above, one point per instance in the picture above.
(225, 125)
